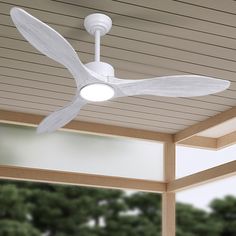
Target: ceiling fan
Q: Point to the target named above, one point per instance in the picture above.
(96, 81)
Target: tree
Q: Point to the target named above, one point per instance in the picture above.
(33, 209)
(224, 213)
(15, 212)
(16, 228)
(142, 218)
(191, 221)
(70, 210)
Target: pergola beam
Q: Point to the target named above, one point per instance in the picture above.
(200, 142)
(204, 125)
(212, 174)
(82, 126)
(73, 178)
(210, 143)
(110, 130)
(226, 140)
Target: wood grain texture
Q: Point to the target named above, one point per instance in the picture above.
(200, 142)
(169, 161)
(168, 199)
(168, 214)
(73, 178)
(204, 125)
(30, 119)
(226, 140)
(213, 174)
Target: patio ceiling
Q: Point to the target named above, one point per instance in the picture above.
(149, 38)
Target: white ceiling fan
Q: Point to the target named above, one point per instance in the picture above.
(96, 81)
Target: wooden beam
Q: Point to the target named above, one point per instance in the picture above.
(204, 125)
(215, 173)
(168, 199)
(200, 142)
(210, 143)
(226, 140)
(73, 178)
(82, 126)
(169, 162)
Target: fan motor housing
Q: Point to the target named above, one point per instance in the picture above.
(101, 68)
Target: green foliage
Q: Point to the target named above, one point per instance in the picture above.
(33, 209)
(224, 213)
(15, 212)
(12, 203)
(191, 221)
(142, 218)
(16, 228)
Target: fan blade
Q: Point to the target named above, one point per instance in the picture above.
(61, 117)
(51, 43)
(172, 86)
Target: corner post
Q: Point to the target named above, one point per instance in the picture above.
(168, 199)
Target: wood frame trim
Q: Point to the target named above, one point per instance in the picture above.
(168, 199)
(82, 126)
(110, 130)
(204, 125)
(210, 143)
(73, 178)
(226, 140)
(200, 142)
(212, 174)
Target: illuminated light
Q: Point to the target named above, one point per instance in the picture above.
(97, 92)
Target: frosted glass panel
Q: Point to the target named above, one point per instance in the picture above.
(85, 153)
(192, 160)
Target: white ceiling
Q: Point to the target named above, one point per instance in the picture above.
(149, 38)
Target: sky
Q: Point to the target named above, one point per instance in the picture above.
(202, 195)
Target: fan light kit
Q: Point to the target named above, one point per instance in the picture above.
(96, 81)
(97, 92)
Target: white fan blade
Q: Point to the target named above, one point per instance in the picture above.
(51, 43)
(172, 86)
(61, 117)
